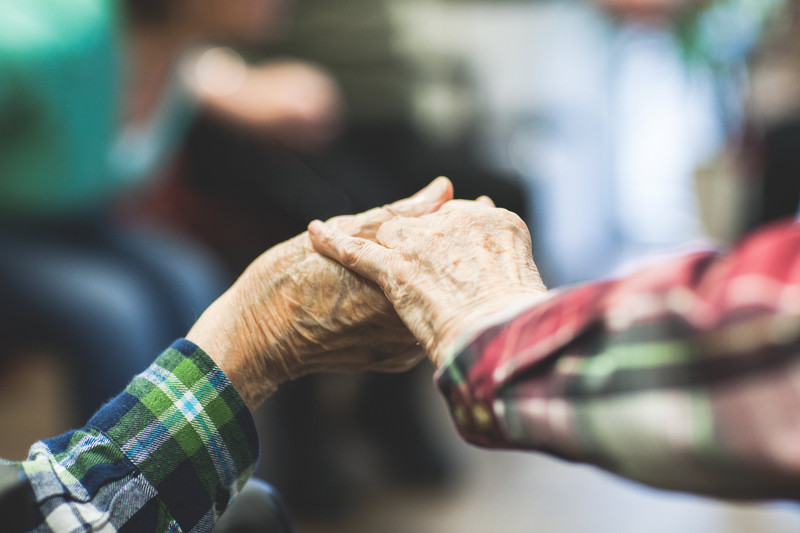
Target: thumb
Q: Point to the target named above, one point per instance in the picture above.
(363, 257)
(426, 201)
(485, 200)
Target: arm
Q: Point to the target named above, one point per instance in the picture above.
(175, 447)
(683, 375)
(171, 450)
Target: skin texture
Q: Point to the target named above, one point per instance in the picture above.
(445, 271)
(294, 312)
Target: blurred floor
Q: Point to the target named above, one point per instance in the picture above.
(512, 492)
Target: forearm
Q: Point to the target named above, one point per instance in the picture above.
(171, 450)
(681, 376)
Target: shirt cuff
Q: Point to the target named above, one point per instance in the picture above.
(185, 427)
(472, 404)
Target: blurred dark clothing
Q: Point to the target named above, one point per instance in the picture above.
(780, 185)
(354, 40)
(241, 195)
(103, 297)
(772, 150)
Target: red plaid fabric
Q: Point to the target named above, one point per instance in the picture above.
(684, 375)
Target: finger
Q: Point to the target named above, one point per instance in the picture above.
(485, 200)
(394, 232)
(428, 200)
(364, 257)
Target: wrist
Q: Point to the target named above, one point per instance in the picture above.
(223, 334)
(469, 325)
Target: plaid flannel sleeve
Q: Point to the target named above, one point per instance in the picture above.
(167, 454)
(684, 375)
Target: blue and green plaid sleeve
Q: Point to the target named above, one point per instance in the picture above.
(167, 454)
(684, 375)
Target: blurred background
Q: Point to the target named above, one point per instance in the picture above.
(150, 150)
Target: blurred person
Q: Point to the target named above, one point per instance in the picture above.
(682, 375)
(290, 102)
(72, 278)
(173, 451)
(621, 138)
(93, 103)
(383, 138)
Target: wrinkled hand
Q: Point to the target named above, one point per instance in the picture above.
(294, 312)
(444, 271)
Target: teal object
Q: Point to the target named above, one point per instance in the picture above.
(59, 80)
(724, 33)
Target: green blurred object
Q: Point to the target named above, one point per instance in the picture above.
(64, 149)
(59, 79)
(723, 33)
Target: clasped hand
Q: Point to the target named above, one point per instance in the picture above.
(404, 278)
(294, 312)
(444, 271)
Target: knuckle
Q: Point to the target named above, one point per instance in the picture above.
(389, 230)
(513, 219)
(397, 285)
(393, 210)
(352, 253)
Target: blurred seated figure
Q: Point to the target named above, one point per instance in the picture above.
(618, 141)
(626, 107)
(92, 103)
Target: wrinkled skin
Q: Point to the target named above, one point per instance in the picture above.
(294, 312)
(443, 272)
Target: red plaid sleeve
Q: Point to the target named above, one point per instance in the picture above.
(684, 375)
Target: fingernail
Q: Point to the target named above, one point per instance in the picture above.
(433, 189)
(316, 227)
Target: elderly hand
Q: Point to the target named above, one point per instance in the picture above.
(444, 271)
(294, 312)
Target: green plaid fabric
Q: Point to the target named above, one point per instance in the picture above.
(167, 454)
(684, 375)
